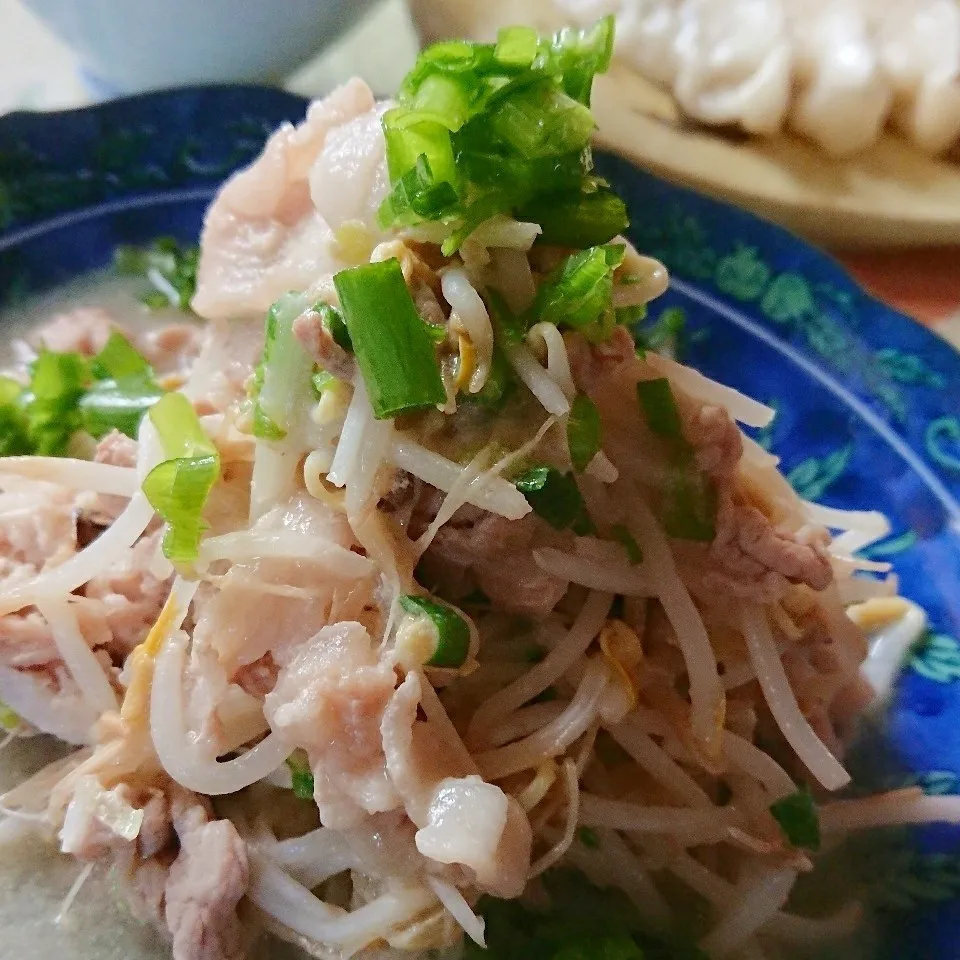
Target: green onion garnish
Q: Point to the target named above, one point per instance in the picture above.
(579, 292)
(57, 382)
(482, 129)
(9, 719)
(178, 487)
(498, 386)
(170, 268)
(625, 538)
(300, 775)
(577, 220)
(451, 630)
(394, 350)
(14, 440)
(321, 380)
(689, 498)
(555, 497)
(124, 390)
(282, 375)
(588, 837)
(333, 320)
(584, 431)
(660, 408)
(797, 815)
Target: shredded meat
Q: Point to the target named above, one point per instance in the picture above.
(263, 235)
(590, 363)
(85, 330)
(315, 338)
(716, 440)
(330, 699)
(757, 560)
(117, 449)
(204, 886)
(497, 552)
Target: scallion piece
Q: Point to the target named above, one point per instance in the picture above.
(394, 351)
(499, 384)
(170, 267)
(660, 409)
(541, 121)
(178, 487)
(579, 292)
(578, 55)
(555, 497)
(14, 440)
(57, 382)
(588, 837)
(516, 46)
(625, 538)
(124, 390)
(584, 431)
(9, 719)
(320, 380)
(797, 815)
(333, 320)
(578, 220)
(452, 631)
(282, 378)
(300, 775)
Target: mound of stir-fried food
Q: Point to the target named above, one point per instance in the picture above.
(436, 580)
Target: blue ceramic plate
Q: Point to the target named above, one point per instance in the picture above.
(868, 401)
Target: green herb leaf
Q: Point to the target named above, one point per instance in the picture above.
(482, 129)
(689, 503)
(178, 487)
(170, 267)
(584, 431)
(300, 775)
(555, 497)
(798, 819)
(452, 631)
(660, 409)
(118, 405)
(14, 439)
(584, 219)
(588, 837)
(623, 536)
(581, 922)
(57, 382)
(283, 377)
(579, 292)
(394, 351)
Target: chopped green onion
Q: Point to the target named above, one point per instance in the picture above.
(57, 382)
(394, 351)
(282, 377)
(9, 719)
(451, 630)
(482, 129)
(588, 837)
(660, 408)
(579, 292)
(178, 487)
(688, 508)
(300, 775)
(578, 55)
(585, 219)
(125, 389)
(118, 360)
(555, 497)
(321, 380)
(333, 320)
(541, 121)
(170, 267)
(625, 538)
(689, 497)
(14, 440)
(516, 46)
(797, 815)
(584, 431)
(118, 405)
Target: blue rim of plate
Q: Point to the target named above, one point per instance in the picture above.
(868, 401)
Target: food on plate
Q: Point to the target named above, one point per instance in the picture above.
(418, 593)
(836, 71)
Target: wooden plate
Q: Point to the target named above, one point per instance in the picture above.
(889, 195)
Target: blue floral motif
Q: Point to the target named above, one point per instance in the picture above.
(937, 657)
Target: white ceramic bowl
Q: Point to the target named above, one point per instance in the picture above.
(127, 46)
